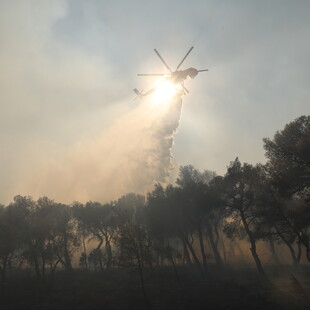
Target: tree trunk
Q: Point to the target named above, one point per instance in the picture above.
(43, 269)
(36, 266)
(273, 251)
(142, 285)
(216, 253)
(185, 252)
(192, 252)
(10, 265)
(253, 246)
(84, 249)
(100, 263)
(292, 251)
(299, 251)
(3, 275)
(52, 270)
(67, 257)
(99, 253)
(299, 237)
(109, 252)
(175, 269)
(202, 249)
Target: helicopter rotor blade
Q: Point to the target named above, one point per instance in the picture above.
(184, 58)
(153, 74)
(150, 91)
(162, 60)
(203, 70)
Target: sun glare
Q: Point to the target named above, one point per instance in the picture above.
(165, 91)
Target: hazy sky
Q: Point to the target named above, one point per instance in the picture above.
(68, 69)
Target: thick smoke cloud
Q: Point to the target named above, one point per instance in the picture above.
(66, 130)
(130, 156)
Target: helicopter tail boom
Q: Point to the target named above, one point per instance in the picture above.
(139, 94)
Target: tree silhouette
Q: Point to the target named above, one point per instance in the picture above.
(243, 184)
(134, 249)
(100, 221)
(289, 168)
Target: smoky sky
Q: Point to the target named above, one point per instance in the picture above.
(68, 69)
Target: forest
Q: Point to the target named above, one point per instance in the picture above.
(195, 244)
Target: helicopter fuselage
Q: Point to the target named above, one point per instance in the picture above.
(178, 77)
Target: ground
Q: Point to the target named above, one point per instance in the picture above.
(231, 288)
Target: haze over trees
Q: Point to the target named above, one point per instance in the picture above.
(199, 222)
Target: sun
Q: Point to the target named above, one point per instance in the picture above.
(165, 91)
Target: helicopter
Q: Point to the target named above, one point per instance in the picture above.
(176, 77)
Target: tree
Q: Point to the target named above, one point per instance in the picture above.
(65, 238)
(289, 168)
(46, 233)
(97, 257)
(272, 225)
(202, 194)
(169, 217)
(100, 221)
(23, 210)
(134, 248)
(130, 208)
(243, 184)
(8, 241)
(161, 224)
(289, 158)
(188, 175)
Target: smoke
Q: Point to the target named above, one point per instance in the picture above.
(129, 156)
(63, 132)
